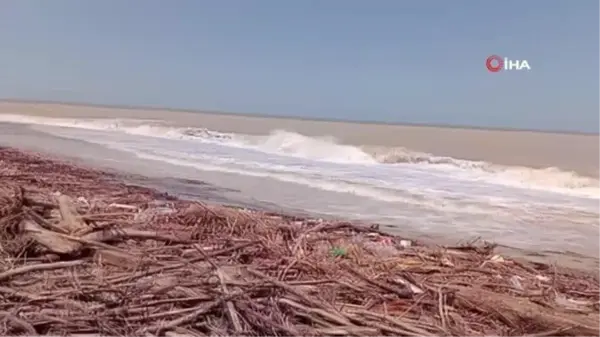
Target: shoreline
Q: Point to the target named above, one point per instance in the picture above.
(313, 119)
(213, 189)
(160, 264)
(526, 149)
(189, 188)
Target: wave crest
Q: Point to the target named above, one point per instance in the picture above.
(318, 148)
(329, 149)
(551, 176)
(398, 155)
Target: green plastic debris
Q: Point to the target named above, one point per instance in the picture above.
(338, 252)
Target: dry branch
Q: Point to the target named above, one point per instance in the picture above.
(70, 220)
(166, 267)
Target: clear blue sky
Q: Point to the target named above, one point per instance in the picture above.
(388, 60)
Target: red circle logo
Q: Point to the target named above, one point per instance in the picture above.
(494, 63)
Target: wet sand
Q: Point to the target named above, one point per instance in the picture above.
(577, 152)
(573, 152)
(180, 181)
(209, 187)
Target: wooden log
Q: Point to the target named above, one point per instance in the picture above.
(71, 222)
(50, 240)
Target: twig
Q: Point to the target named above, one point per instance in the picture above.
(26, 327)
(39, 267)
(200, 310)
(112, 234)
(43, 222)
(332, 317)
(404, 293)
(441, 308)
(415, 331)
(553, 332)
(289, 288)
(289, 330)
(233, 315)
(179, 265)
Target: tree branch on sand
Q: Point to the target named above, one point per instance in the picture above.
(105, 258)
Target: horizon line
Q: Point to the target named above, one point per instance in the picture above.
(317, 119)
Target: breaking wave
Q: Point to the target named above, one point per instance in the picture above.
(328, 148)
(325, 148)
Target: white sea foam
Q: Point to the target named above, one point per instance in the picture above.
(328, 150)
(417, 192)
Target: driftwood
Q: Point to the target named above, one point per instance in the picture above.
(78, 267)
(515, 310)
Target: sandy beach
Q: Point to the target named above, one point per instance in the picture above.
(106, 202)
(85, 252)
(547, 213)
(299, 169)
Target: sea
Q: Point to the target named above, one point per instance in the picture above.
(534, 192)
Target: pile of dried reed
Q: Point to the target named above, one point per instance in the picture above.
(101, 257)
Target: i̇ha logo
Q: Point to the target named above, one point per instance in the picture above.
(495, 63)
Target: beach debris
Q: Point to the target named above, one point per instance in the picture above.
(542, 278)
(405, 243)
(445, 261)
(515, 281)
(184, 268)
(413, 287)
(386, 241)
(339, 252)
(584, 306)
(130, 207)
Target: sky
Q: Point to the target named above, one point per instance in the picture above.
(396, 61)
